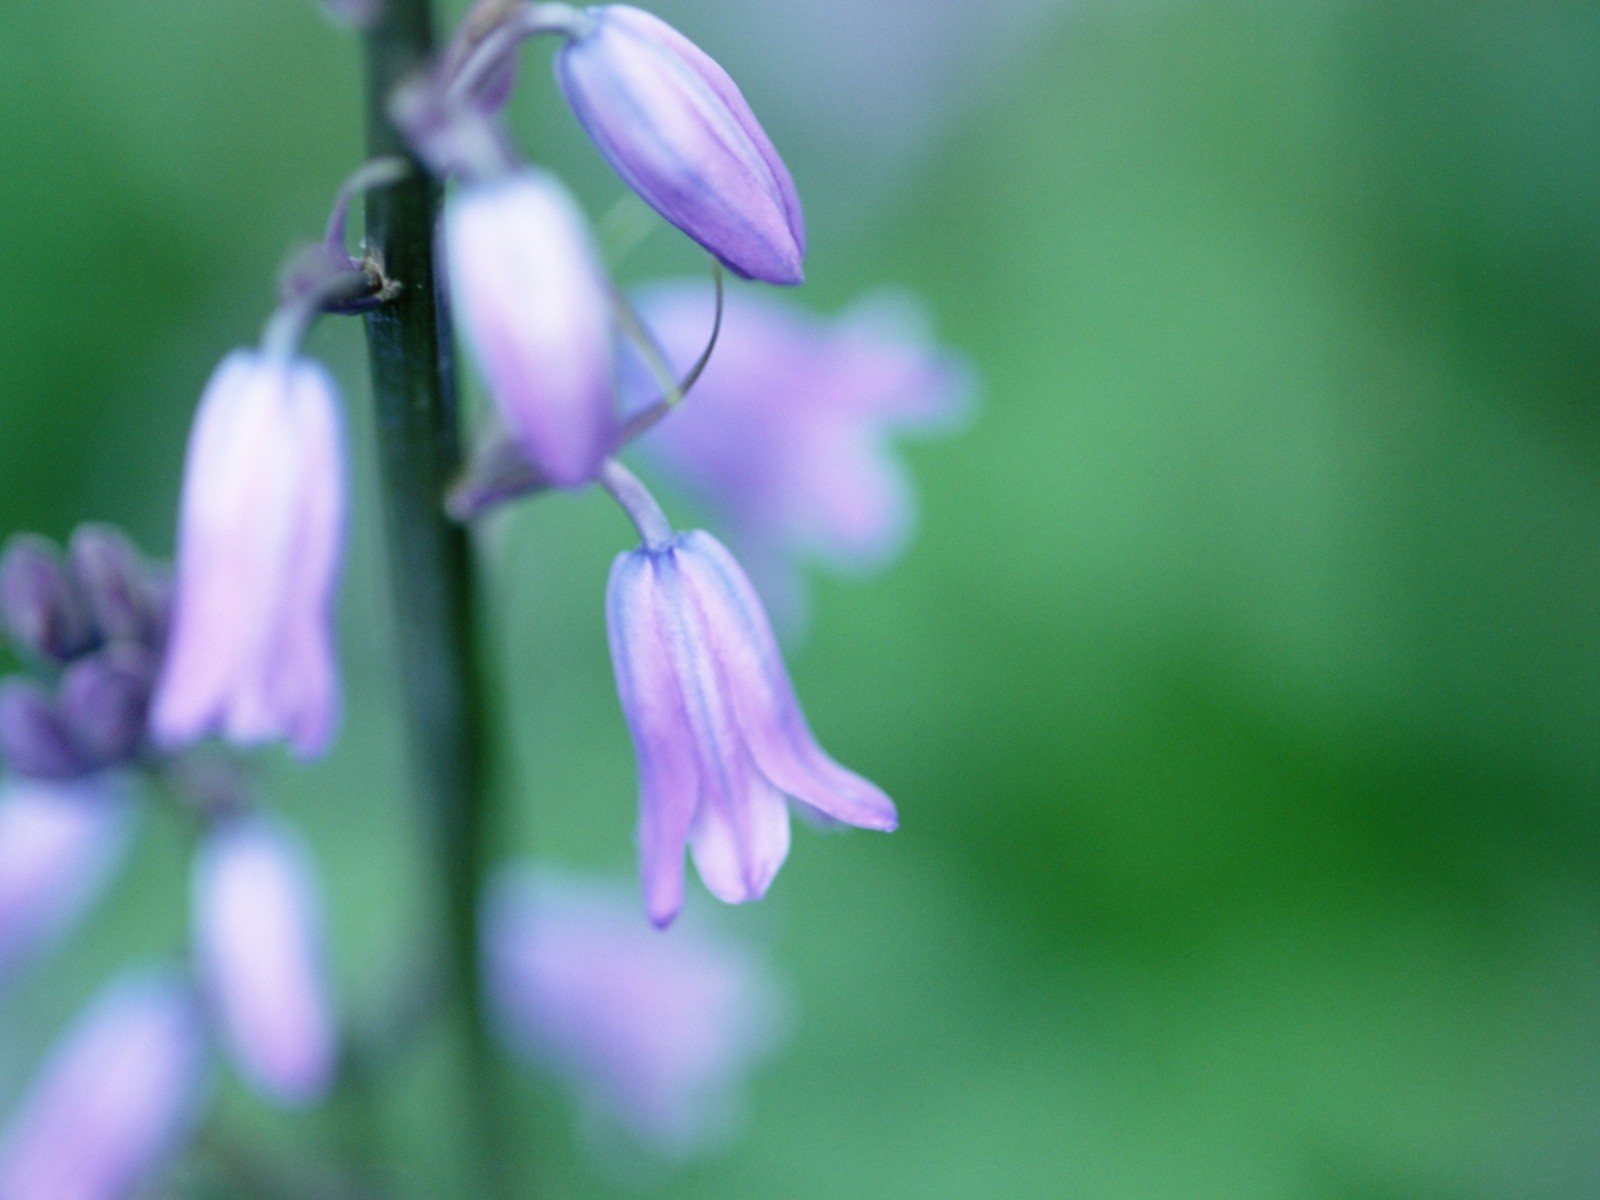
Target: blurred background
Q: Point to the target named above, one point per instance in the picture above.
(1241, 692)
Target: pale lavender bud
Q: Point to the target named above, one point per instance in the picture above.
(115, 583)
(59, 843)
(656, 1033)
(41, 609)
(260, 534)
(258, 935)
(720, 737)
(535, 308)
(788, 437)
(105, 699)
(35, 740)
(115, 1100)
(672, 123)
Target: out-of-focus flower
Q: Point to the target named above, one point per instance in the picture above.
(40, 605)
(125, 596)
(93, 720)
(260, 533)
(59, 843)
(672, 123)
(115, 1100)
(259, 942)
(787, 437)
(719, 734)
(535, 309)
(656, 1032)
(358, 14)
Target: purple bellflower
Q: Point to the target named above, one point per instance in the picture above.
(259, 944)
(719, 735)
(116, 1099)
(786, 439)
(672, 123)
(260, 535)
(59, 843)
(535, 308)
(654, 1032)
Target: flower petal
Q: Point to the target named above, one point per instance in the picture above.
(652, 702)
(534, 307)
(115, 1100)
(258, 936)
(759, 692)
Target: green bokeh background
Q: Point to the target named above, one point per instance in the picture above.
(1241, 693)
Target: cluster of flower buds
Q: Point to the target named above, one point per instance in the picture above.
(91, 624)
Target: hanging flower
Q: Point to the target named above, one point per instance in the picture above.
(260, 536)
(720, 737)
(535, 307)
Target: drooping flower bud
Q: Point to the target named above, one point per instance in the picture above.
(35, 739)
(58, 845)
(40, 607)
(260, 534)
(654, 1033)
(672, 123)
(115, 1100)
(119, 589)
(258, 936)
(719, 735)
(105, 700)
(535, 309)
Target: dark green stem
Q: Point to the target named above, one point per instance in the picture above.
(430, 568)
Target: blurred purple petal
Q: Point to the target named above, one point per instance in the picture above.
(259, 541)
(788, 435)
(35, 740)
(655, 1031)
(719, 735)
(40, 607)
(59, 843)
(673, 124)
(119, 589)
(258, 931)
(116, 1099)
(535, 308)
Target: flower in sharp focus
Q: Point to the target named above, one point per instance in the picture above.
(787, 437)
(260, 533)
(535, 309)
(59, 843)
(672, 123)
(115, 1100)
(656, 1032)
(258, 933)
(719, 735)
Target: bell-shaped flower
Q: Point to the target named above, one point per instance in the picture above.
(535, 309)
(115, 1100)
(261, 528)
(655, 1033)
(672, 123)
(258, 932)
(59, 843)
(787, 439)
(719, 735)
